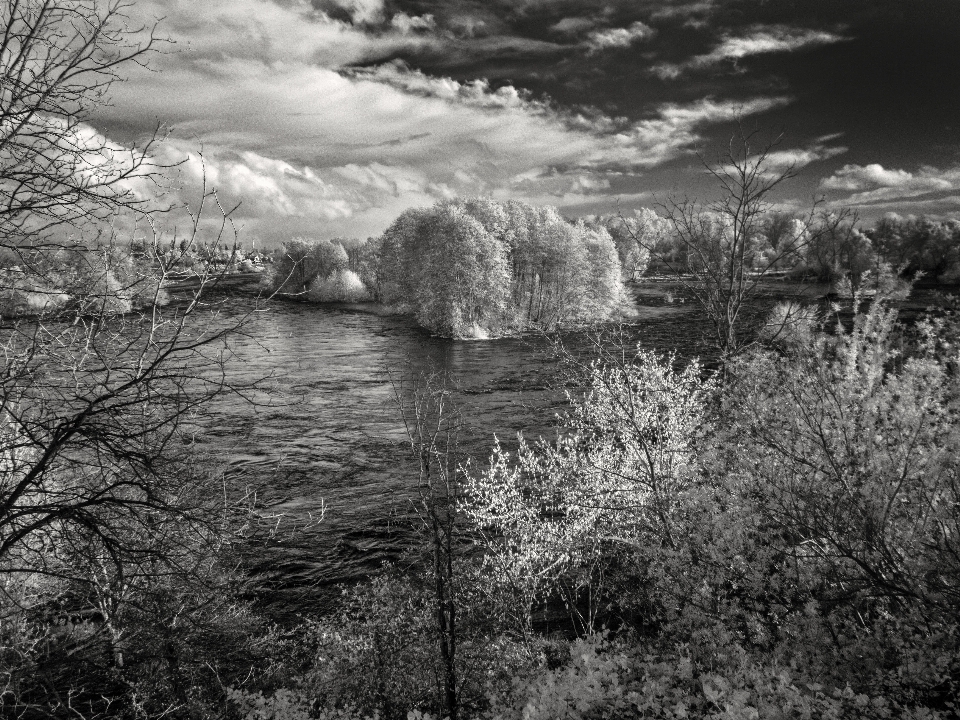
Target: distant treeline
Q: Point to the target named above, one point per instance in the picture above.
(828, 248)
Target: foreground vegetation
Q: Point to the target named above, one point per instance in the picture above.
(781, 544)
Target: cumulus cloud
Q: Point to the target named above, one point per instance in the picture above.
(504, 146)
(600, 40)
(274, 200)
(407, 24)
(763, 40)
(874, 183)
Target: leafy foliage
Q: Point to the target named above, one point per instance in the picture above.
(300, 263)
(479, 266)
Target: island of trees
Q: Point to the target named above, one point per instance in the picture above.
(469, 268)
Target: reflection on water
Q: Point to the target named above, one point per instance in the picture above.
(331, 438)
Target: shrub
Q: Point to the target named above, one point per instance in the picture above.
(789, 323)
(626, 458)
(339, 286)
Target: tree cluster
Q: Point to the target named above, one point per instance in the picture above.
(919, 245)
(317, 270)
(828, 247)
(479, 267)
(470, 268)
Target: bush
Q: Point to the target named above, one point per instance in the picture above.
(626, 458)
(626, 679)
(339, 286)
(790, 323)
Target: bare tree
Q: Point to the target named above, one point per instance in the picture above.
(102, 503)
(103, 385)
(720, 264)
(58, 60)
(432, 424)
(719, 239)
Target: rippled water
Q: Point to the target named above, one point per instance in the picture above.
(331, 438)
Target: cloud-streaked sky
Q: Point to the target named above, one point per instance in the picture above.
(330, 117)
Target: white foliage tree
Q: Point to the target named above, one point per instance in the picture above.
(615, 477)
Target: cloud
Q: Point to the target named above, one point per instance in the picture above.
(475, 93)
(407, 24)
(684, 9)
(503, 145)
(763, 40)
(359, 11)
(573, 25)
(778, 162)
(675, 129)
(600, 40)
(328, 34)
(592, 138)
(310, 144)
(274, 200)
(694, 14)
(873, 183)
(555, 183)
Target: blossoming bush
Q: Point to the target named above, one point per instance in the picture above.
(611, 481)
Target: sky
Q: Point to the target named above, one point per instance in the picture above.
(326, 118)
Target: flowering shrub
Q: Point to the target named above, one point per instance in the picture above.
(614, 478)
